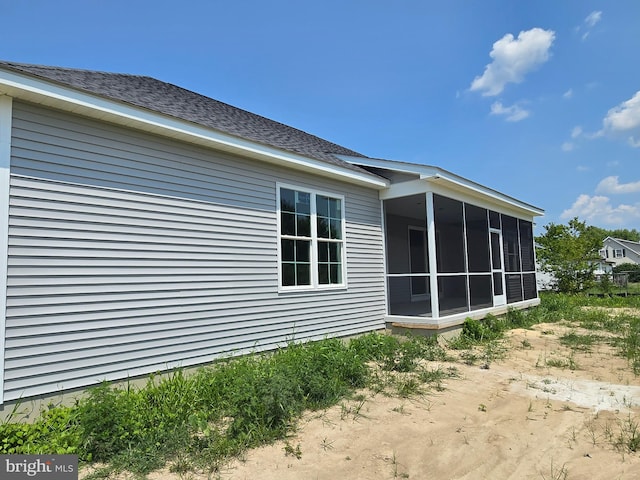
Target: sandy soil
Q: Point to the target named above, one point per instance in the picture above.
(518, 419)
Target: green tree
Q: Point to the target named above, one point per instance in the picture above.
(569, 252)
(625, 234)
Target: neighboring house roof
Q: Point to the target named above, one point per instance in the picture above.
(168, 99)
(627, 244)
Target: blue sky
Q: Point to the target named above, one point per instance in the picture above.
(539, 100)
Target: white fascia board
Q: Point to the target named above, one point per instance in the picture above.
(66, 98)
(437, 175)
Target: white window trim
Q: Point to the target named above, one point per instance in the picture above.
(315, 283)
(618, 253)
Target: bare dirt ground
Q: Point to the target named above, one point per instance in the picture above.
(518, 419)
(542, 411)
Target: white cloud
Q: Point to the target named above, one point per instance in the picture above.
(611, 185)
(599, 210)
(613, 163)
(513, 59)
(624, 119)
(583, 168)
(593, 18)
(576, 132)
(514, 113)
(568, 94)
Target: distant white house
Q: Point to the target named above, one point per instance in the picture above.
(616, 251)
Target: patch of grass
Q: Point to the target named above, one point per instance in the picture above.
(563, 363)
(579, 342)
(202, 420)
(630, 343)
(628, 438)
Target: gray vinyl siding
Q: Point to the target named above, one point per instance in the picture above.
(130, 253)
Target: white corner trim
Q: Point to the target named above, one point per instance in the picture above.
(5, 158)
(84, 103)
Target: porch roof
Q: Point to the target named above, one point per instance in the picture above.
(439, 176)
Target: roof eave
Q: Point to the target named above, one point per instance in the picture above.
(439, 175)
(51, 94)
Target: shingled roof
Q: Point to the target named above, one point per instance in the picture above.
(174, 101)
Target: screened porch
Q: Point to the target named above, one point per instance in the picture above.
(447, 257)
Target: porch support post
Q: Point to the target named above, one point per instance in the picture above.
(433, 266)
(5, 157)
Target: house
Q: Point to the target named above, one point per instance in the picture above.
(145, 227)
(616, 251)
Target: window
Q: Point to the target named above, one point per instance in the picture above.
(618, 253)
(311, 239)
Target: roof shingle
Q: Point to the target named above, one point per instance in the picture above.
(174, 101)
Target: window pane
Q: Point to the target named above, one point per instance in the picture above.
(322, 206)
(477, 238)
(323, 228)
(288, 274)
(449, 234)
(288, 224)
(288, 254)
(336, 273)
(452, 294)
(302, 251)
(303, 272)
(335, 210)
(323, 252)
(287, 200)
(303, 203)
(304, 225)
(334, 252)
(323, 274)
(336, 229)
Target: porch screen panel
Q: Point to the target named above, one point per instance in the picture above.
(477, 238)
(526, 245)
(494, 219)
(449, 235)
(452, 294)
(514, 288)
(480, 292)
(529, 286)
(510, 244)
